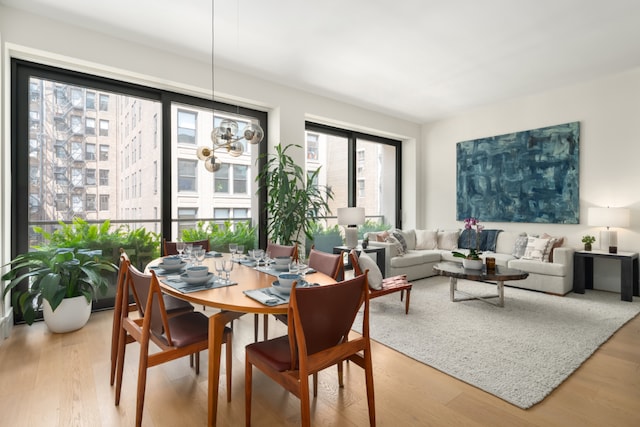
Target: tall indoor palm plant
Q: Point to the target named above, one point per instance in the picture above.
(293, 199)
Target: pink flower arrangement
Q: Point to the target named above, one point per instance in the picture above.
(474, 253)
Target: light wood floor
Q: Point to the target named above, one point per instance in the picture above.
(63, 380)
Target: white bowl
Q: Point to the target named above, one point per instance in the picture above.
(286, 279)
(195, 280)
(198, 271)
(282, 260)
(172, 267)
(171, 260)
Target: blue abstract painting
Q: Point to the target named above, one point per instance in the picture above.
(529, 176)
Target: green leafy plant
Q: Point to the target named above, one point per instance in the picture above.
(54, 275)
(371, 226)
(293, 198)
(241, 232)
(587, 240)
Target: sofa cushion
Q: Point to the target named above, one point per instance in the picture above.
(520, 246)
(556, 243)
(415, 257)
(406, 238)
(426, 239)
(375, 275)
(536, 248)
(400, 251)
(448, 239)
(537, 267)
(506, 240)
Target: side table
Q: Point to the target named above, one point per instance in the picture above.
(379, 255)
(583, 272)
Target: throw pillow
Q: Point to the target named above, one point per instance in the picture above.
(488, 240)
(520, 246)
(400, 237)
(382, 236)
(558, 241)
(375, 275)
(426, 239)
(399, 249)
(448, 240)
(467, 239)
(535, 249)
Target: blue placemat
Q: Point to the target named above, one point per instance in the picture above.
(186, 288)
(162, 272)
(267, 297)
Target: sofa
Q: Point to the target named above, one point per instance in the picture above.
(416, 252)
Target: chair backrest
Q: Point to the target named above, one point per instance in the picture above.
(276, 250)
(353, 256)
(321, 317)
(148, 296)
(329, 264)
(170, 248)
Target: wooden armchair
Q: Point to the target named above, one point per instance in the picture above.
(319, 321)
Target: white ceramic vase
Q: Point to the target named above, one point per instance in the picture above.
(71, 314)
(472, 264)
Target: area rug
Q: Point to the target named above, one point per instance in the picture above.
(519, 353)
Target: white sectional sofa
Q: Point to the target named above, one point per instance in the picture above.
(554, 277)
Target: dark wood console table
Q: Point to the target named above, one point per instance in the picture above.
(378, 251)
(583, 272)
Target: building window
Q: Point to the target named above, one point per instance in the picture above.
(239, 213)
(76, 125)
(90, 151)
(76, 97)
(91, 202)
(240, 179)
(60, 173)
(361, 188)
(90, 100)
(155, 131)
(76, 203)
(104, 102)
(187, 175)
(221, 215)
(61, 202)
(134, 150)
(76, 177)
(187, 126)
(312, 146)
(104, 127)
(90, 177)
(155, 177)
(104, 202)
(186, 218)
(104, 152)
(90, 126)
(76, 151)
(61, 152)
(104, 176)
(221, 177)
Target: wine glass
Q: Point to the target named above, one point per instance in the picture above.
(180, 248)
(227, 267)
(188, 248)
(233, 248)
(220, 268)
(199, 255)
(240, 250)
(258, 254)
(267, 259)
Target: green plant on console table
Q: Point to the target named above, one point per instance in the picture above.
(588, 240)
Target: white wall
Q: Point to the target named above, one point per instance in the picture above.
(42, 40)
(608, 110)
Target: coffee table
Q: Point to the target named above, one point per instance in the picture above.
(456, 271)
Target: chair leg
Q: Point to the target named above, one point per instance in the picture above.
(341, 374)
(122, 344)
(305, 410)
(197, 357)
(191, 360)
(115, 334)
(229, 366)
(406, 309)
(266, 327)
(256, 319)
(368, 370)
(315, 385)
(142, 379)
(248, 372)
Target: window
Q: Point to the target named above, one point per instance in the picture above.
(240, 179)
(90, 177)
(221, 215)
(91, 202)
(241, 213)
(76, 124)
(134, 150)
(76, 97)
(90, 151)
(60, 173)
(90, 126)
(104, 176)
(312, 146)
(104, 152)
(155, 131)
(187, 175)
(76, 203)
(221, 178)
(104, 202)
(76, 151)
(104, 127)
(76, 177)
(61, 152)
(90, 100)
(155, 177)
(187, 126)
(61, 202)
(104, 102)
(186, 218)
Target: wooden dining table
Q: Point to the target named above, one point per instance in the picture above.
(233, 303)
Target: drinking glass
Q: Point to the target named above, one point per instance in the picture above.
(267, 259)
(199, 255)
(258, 254)
(240, 250)
(227, 266)
(220, 268)
(180, 248)
(233, 248)
(188, 248)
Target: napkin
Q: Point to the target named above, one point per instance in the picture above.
(265, 297)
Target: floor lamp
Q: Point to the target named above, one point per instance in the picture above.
(609, 217)
(350, 218)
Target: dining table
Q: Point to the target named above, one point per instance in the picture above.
(233, 302)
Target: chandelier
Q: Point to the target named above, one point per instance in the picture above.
(225, 137)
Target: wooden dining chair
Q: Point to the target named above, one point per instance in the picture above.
(388, 285)
(320, 319)
(177, 336)
(274, 250)
(169, 248)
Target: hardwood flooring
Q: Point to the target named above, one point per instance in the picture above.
(63, 380)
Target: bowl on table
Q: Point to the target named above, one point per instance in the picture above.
(171, 260)
(198, 271)
(286, 280)
(282, 261)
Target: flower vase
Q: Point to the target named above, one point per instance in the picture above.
(472, 264)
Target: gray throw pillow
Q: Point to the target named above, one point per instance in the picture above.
(520, 246)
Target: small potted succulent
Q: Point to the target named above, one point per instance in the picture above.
(588, 241)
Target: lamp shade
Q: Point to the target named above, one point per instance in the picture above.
(350, 216)
(609, 217)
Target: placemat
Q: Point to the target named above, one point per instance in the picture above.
(186, 288)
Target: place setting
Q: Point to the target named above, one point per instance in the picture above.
(280, 289)
(170, 265)
(198, 278)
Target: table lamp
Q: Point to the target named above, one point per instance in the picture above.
(609, 217)
(350, 218)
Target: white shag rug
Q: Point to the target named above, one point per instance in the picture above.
(519, 353)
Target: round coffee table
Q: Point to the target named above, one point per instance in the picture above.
(499, 275)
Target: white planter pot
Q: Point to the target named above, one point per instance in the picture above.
(71, 314)
(472, 264)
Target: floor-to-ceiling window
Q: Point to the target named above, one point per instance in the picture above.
(93, 149)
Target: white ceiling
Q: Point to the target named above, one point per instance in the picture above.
(415, 59)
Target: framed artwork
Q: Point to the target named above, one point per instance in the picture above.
(528, 176)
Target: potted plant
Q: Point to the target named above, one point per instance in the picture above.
(63, 282)
(471, 260)
(588, 241)
(294, 200)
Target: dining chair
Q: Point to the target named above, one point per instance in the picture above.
(169, 247)
(388, 285)
(330, 264)
(177, 336)
(320, 319)
(274, 250)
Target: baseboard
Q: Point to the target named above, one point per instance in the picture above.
(6, 325)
